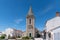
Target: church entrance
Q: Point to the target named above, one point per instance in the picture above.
(30, 35)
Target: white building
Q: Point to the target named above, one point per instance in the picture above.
(12, 32)
(53, 27)
(9, 32)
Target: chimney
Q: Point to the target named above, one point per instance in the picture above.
(57, 13)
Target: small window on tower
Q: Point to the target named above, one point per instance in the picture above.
(29, 21)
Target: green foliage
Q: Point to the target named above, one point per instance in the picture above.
(24, 38)
(27, 38)
(3, 36)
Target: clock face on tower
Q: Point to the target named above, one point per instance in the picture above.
(30, 27)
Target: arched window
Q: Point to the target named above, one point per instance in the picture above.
(29, 21)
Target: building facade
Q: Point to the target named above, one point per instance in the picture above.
(53, 28)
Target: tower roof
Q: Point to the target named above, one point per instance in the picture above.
(30, 12)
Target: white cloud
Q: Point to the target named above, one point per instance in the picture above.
(47, 9)
(18, 21)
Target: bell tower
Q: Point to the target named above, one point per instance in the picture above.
(30, 30)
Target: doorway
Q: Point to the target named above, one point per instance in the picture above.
(30, 35)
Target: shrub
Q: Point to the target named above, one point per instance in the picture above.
(3, 36)
(24, 38)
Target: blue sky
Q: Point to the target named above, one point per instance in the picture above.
(13, 13)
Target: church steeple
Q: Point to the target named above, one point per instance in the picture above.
(30, 31)
(30, 12)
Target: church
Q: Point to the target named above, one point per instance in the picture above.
(31, 31)
(52, 27)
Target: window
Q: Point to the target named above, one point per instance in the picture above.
(49, 35)
(29, 21)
